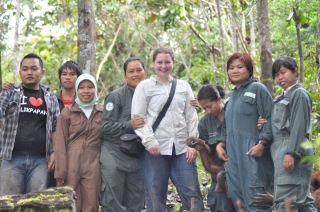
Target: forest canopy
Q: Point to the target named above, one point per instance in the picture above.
(202, 33)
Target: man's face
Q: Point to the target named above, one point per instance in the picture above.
(31, 73)
(135, 73)
(68, 78)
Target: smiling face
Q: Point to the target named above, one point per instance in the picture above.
(285, 78)
(134, 73)
(86, 91)
(163, 65)
(31, 73)
(212, 107)
(238, 72)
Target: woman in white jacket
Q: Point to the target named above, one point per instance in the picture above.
(167, 154)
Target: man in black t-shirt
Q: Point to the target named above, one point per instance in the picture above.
(28, 115)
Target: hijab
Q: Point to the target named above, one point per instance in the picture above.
(94, 101)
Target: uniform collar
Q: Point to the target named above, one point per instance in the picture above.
(129, 87)
(156, 81)
(289, 91)
(245, 84)
(75, 107)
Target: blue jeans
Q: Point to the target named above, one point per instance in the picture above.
(156, 172)
(23, 174)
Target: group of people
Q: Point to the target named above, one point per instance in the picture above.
(251, 145)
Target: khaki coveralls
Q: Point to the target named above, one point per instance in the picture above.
(77, 151)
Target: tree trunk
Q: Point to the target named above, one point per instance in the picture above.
(0, 72)
(86, 36)
(15, 51)
(298, 27)
(317, 36)
(221, 35)
(265, 44)
(253, 50)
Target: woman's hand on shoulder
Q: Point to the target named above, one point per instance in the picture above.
(194, 103)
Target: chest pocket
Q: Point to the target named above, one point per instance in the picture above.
(156, 100)
(247, 105)
(75, 125)
(280, 115)
(179, 100)
(11, 109)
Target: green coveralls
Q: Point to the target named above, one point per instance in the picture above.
(122, 188)
(290, 127)
(212, 130)
(247, 175)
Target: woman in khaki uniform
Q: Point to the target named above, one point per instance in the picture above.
(77, 145)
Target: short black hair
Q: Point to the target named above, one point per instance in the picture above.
(286, 62)
(32, 55)
(130, 59)
(212, 93)
(72, 65)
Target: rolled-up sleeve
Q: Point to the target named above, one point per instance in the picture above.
(139, 108)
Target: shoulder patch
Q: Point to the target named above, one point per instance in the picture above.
(250, 94)
(109, 106)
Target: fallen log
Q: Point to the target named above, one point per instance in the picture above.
(52, 200)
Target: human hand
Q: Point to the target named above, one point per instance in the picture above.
(60, 182)
(222, 154)
(194, 103)
(137, 122)
(288, 162)
(256, 150)
(7, 86)
(155, 150)
(263, 199)
(191, 154)
(51, 162)
(261, 121)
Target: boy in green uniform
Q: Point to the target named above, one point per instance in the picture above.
(290, 128)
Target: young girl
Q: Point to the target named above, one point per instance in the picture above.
(291, 117)
(77, 145)
(212, 130)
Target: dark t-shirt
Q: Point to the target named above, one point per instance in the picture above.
(31, 133)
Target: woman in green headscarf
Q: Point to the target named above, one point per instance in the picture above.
(77, 145)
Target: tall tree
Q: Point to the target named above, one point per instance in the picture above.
(220, 32)
(0, 72)
(317, 39)
(15, 49)
(265, 44)
(86, 36)
(297, 22)
(253, 49)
